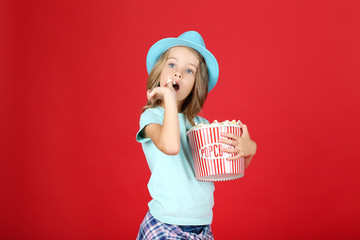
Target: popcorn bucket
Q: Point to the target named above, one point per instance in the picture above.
(210, 162)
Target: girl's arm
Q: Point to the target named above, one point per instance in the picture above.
(166, 137)
(244, 146)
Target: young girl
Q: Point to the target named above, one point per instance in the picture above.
(181, 73)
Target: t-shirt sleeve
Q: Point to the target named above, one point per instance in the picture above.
(149, 116)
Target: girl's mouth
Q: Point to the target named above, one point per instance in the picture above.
(176, 86)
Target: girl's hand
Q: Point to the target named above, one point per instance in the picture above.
(162, 92)
(165, 136)
(243, 145)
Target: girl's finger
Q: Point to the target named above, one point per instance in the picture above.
(148, 93)
(228, 141)
(236, 157)
(229, 150)
(152, 94)
(230, 135)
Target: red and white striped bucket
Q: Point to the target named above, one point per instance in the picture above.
(209, 160)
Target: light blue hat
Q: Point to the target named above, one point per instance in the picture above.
(190, 39)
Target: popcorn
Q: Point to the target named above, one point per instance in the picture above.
(170, 80)
(216, 123)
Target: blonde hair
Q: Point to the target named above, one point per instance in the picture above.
(193, 103)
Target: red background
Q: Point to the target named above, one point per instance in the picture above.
(73, 84)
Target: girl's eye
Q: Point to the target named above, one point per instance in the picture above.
(189, 71)
(171, 65)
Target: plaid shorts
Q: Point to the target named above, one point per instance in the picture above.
(151, 228)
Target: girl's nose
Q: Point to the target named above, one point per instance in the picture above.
(178, 75)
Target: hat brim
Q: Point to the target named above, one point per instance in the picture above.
(164, 44)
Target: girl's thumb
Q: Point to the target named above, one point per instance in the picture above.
(245, 132)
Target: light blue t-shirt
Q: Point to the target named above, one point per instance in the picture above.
(177, 197)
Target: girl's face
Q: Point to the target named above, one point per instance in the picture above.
(180, 66)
